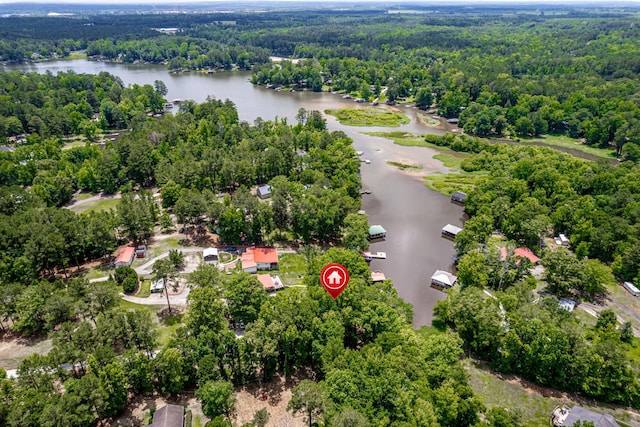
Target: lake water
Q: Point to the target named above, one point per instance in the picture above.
(412, 214)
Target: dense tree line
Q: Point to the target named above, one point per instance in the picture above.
(180, 53)
(518, 76)
(47, 105)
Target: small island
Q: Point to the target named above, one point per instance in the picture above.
(369, 117)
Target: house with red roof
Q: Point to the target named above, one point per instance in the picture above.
(520, 252)
(259, 259)
(125, 257)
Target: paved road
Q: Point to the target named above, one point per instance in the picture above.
(146, 268)
(160, 299)
(593, 310)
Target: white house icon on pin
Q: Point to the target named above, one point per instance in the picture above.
(335, 278)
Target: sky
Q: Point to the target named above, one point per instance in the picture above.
(178, 2)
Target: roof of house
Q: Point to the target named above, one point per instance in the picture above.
(266, 280)
(567, 304)
(459, 195)
(125, 254)
(157, 285)
(265, 255)
(578, 413)
(264, 189)
(521, 252)
(210, 252)
(169, 416)
(377, 229)
(631, 287)
(248, 260)
(445, 277)
(451, 229)
(377, 276)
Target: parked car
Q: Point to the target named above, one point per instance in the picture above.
(231, 249)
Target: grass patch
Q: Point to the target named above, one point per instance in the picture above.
(406, 139)
(77, 55)
(450, 160)
(534, 408)
(448, 184)
(145, 289)
(292, 268)
(97, 272)
(369, 117)
(225, 257)
(428, 120)
(85, 196)
(573, 144)
(96, 205)
(402, 166)
(634, 349)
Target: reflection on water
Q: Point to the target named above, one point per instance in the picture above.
(412, 214)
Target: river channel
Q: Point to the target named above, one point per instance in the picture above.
(412, 214)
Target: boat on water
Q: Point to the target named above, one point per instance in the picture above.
(368, 256)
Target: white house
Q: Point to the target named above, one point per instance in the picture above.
(631, 288)
(443, 279)
(450, 231)
(210, 255)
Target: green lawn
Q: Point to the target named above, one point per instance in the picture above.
(450, 160)
(145, 289)
(403, 138)
(428, 120)
(292, 268)
(369, 117)
(167, 328)
(572, 143)
(535, 408)
(448, 184)
(85, 196)
(96, 205)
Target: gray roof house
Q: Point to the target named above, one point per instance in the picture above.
(565, 417)
(264, 191)
(459, 197)
(168, 416)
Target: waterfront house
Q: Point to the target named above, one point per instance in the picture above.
(450, 231)
(459, 197)
(443, 279)
(377, 276)
(377, 232)
(522, 253)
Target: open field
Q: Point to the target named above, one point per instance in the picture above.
(95, 203)
(448, 184)
(15, 350)
(403, 138)
(292, 268)
(572, 143)
(533, 403)
(369, 117)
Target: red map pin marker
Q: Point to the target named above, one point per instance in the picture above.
(334, 279)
